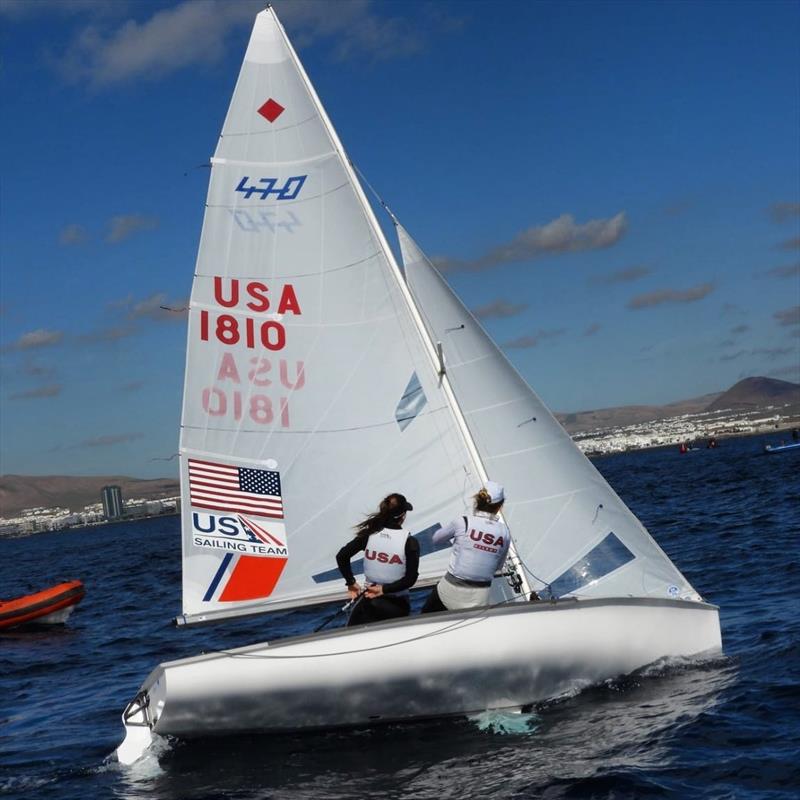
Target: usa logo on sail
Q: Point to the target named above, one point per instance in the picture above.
(222, 487)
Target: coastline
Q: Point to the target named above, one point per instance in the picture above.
(702, 439)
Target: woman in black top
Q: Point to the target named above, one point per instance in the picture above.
(391, 563)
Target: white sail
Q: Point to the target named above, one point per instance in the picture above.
(309, 392)
(570, 528)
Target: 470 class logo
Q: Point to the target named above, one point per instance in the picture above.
(289, 191)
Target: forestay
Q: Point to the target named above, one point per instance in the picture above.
(309, 393)
(570, 528)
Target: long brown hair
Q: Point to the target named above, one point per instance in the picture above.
(483, 502)
(388, 515)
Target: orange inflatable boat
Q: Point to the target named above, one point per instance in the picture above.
(49, 607)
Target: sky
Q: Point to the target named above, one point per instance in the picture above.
(613, 188)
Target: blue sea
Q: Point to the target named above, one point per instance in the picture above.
(722, 728)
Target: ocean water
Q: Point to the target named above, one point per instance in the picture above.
(722, 728)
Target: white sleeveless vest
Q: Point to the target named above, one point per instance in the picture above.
(385, 556)
(480, 549)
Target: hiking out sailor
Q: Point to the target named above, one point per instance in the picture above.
(391, 563)
(480, 546)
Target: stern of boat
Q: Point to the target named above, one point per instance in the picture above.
(141, 716)
(138, 730)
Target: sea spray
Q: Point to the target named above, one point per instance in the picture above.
(506, 722)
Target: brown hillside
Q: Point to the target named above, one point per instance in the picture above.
(753, 393)
(585, 421)
(28, 491)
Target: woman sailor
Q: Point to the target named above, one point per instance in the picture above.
(391, 563)
(480, 546)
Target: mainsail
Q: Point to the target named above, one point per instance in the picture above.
(570, 528)
(310, 391)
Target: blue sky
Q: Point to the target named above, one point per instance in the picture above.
(614, 188)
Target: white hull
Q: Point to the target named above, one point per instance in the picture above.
(501, 657)
(56, 618)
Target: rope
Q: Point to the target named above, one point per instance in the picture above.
(536, 577)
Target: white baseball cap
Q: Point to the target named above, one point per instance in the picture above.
(495, 490)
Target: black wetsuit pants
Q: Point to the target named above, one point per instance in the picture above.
(386, 606)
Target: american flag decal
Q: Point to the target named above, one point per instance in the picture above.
(237, 490)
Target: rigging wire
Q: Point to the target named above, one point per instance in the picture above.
(372, 189)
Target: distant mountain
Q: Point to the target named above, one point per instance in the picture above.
(620, 416)
(753, 393)
(746, 395)
(29, 491)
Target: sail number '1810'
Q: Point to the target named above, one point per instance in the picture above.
(227, 328)
(230, 396)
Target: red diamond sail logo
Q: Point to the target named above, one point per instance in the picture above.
(271, 110)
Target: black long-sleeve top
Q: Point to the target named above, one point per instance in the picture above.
(360, 543)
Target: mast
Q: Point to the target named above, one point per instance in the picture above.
(429, 345)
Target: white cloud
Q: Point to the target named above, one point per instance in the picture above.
(499, 309)
(788, 316)
(42, 391)
(107, 52)
(662, 296)
(73, 234)
(533, 340)
(592, 329)
(784, 211)
(621, 276)
(192, 32)
(561, 235)
(124, 226)
(38, 338)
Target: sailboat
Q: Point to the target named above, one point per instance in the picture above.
(320, 377)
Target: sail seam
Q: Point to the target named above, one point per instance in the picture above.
(571, 493)
(282, 203)
(275, 130)
(525, 450)
(316, 325)
(239, 162)
(494, 405)
(452, 366)
(301, 274)
(316, 430)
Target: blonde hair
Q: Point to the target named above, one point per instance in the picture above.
(483, 502)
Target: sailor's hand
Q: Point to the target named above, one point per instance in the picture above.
(374, 590)
(353, 590)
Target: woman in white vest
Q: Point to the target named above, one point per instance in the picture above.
(480, 546)
(391, 563)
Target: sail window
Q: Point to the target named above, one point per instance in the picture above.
(603, 558)
(411, 403)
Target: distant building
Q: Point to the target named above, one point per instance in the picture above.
(112, 502)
